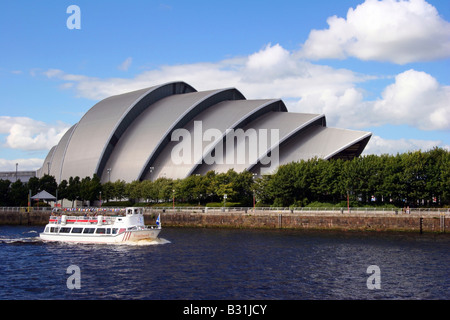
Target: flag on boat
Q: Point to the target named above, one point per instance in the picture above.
(157, 221)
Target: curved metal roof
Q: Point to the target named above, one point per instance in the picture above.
(321, 142)
(147, 136)
(102, 126)
(221, 117)
(60, 152)
(47, 163)
(284, 124)
(129, 136)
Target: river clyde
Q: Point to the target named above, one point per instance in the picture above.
(228, 264)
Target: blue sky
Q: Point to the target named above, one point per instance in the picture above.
(378, 66)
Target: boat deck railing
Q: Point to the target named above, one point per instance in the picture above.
(84, 220)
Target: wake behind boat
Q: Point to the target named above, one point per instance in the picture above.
(101, 229)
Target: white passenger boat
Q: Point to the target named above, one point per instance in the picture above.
(101, 229)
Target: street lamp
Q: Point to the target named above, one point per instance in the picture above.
(151, 173)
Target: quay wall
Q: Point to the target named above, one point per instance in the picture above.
(313, 221)
(436, 221)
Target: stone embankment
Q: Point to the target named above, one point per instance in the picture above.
(422, 220)
(359, 220)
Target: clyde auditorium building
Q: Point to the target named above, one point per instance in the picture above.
(144, 134)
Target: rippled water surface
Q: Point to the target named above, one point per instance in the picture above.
(222, 264)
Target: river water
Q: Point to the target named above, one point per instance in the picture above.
(228, 264)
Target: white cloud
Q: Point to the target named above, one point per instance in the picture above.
(342, 108)
(378, 145)
(124, 66)
(389, 30)
(269, 63)
(414, 98)
(30, 135)
(268, 73)
(417, 99)
(23, 164)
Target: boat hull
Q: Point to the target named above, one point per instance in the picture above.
(124, 237)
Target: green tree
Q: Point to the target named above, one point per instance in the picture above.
(444, 169)
(119, 189)
(48, 183)
(148, 190)
(95, 188)
(392, 184)
(33, 185)
(165, 189)
(4, 192)
(304, 174)
(73, 189)
(85, 188)
(243, 185)
(63, 190)
(262, 194)
(192, 189)
(436, 172)
(209, 181)
(414, 177)
(282, 186)
(107, 191)
(133, 191)
(18, 194)
(90, 188)
(223, 184)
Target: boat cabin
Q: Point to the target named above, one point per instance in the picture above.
(131, 211)
(97, 225)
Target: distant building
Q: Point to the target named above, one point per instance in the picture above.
(174, 131)
(13, 176)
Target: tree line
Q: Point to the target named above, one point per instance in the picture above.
(415, 179)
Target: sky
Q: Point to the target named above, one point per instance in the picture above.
(377, 66)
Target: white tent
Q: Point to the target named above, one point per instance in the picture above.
(43, 195)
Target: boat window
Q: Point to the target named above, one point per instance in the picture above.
(77, 230)
(100, 230)
(108, 231)
(64, 230)
(114, 230)
(89, 230)
(46, 230)
(54, 229)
